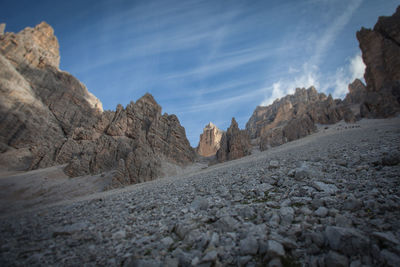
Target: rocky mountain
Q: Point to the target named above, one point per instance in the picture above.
(48, 117)
(209, 140)
(294, 116)
(235, 143)
(380, 48)
(355, 96)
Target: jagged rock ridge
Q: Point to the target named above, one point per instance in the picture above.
(209, 140)
(235, 143)
(48, 117)
(294, 116)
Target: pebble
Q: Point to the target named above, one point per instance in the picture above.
(248, 246)
(273, 164)
(275, 249)
(321, 212)
(307, 208)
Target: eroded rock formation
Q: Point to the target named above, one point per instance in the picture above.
(355, 97)
(209, 140)
(294, 116)
(381, 54)
(235, 143)
(48, 117)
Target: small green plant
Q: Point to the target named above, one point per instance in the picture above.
(289, 262)
(147, 252)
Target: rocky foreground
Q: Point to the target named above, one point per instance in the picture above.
(330, 199)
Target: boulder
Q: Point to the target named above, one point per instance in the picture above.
(349, 241)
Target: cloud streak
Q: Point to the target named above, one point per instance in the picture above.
(224, 102)
(309, 73)
(329, 36)
(226, 63)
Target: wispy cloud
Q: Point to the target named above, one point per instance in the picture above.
(308, 77)
(309, 73)
(346, 75)
(146, 30)
(227, 85)
(226, 63)
(224, 102)
(357, 67)
(327, 39)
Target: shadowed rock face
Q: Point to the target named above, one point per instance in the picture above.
(48, 117)
(294, 116)
(235, 143)
(209, 140)
(356, 94)
(355, 97)
(381, 54)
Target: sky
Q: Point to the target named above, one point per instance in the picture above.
(204, 60)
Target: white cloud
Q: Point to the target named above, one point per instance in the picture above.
(346, 75)
(277, 92)
(357, 67)
(309, 74)
(308, 77)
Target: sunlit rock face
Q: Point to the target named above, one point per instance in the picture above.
(294, 116)
(35, 47)
(235, 143)
(40, 105)
(380, 48)
(209, 140)
(48, 117)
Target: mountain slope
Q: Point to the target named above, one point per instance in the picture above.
(48, 117)
(291, 203)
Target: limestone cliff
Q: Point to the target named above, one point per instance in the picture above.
(235, 143)
(48, 117)
(381, 54)
(294, 116)
(209, 140)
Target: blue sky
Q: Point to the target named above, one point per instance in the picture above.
(204, 60)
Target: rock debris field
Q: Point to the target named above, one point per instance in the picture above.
(330, 199)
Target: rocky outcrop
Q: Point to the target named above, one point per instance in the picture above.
(209, 140)
(34, 47)
(40, 105)
(235, 143)
(355, 97)
(48, 117)
(294, 116)
(2, 28)
(357, 93)
(381, 54)
(139, 134)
